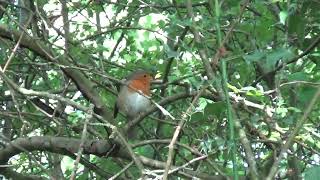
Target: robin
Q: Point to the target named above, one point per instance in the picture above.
(133, 96)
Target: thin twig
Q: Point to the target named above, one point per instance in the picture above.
(13, 53)
(249, 155)
(122, 171)
(308, 50)
(300, 82)
(116, 131)
(83, 139)
(202, 51)
(177, 131)
(274, 169)
(229, 33)
(188, 163)
(76, 105)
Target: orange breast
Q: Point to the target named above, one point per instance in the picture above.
(140, 85)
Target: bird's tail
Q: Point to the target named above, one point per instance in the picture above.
(132, 133)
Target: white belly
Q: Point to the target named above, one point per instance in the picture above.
(137, 103)
(132, 104)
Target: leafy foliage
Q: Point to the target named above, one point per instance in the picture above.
(60, 57)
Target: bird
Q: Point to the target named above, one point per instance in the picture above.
(133, 97)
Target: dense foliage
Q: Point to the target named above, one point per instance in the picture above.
(236, 93)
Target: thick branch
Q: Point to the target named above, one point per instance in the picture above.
(19, 176)
(81, 81)
(69, 146)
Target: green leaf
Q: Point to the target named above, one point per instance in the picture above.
(298, 76)
(233, 88)
(283, 17)
(283, 54)
(161, 23)
(90, 12)
(198, 116)
(294, 109)
(254, 93)
(254, 57)
(216, 109)
(146, 35)
(298, 19)
(312, 173)
(172, 54)
(306, 94)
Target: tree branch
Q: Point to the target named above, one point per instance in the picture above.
(68, 146)
(82, 82)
